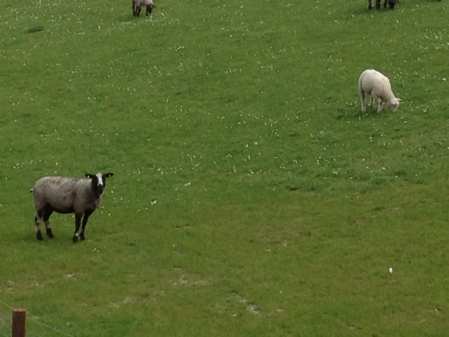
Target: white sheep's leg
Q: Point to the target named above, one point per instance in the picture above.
(371, 102)
(83, 226)
(77, 227)
(379, 105)
(362, 100)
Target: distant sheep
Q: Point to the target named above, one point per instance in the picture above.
(378, 86)
(68, 195)
(137, 6)
(391, 4)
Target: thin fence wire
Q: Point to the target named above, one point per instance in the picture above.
(6, 317)
(6, 304)
(28, 332)
(4, 334)
(5, 325)
(50, 327)
(30, 318)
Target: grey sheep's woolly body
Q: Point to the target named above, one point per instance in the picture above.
(143, 2)
(65, 195)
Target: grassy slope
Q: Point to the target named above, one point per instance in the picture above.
(279, 207)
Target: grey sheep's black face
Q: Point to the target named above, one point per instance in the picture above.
(98, 182)
(392, 3)
(150, 8)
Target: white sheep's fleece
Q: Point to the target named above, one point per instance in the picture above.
(377, 85)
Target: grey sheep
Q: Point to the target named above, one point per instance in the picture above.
(137, 6)
(391, 4)
(68, 195)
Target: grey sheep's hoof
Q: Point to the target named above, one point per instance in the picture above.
(50, 233)
(39, 236)
(75, 238)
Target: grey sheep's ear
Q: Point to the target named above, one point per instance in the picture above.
(109, 174)
(88, 175)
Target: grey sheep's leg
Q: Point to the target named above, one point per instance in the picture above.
(47, 213)
(83, 227)
(48, 230)
(37, 220)
(134, 6)
(370, 6)
(378, 4)
(43, 214)
(77, 226)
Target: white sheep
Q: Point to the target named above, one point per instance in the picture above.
(378, 86)
(137, 6)
(68, 195)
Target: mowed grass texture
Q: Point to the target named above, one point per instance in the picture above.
(250, 196)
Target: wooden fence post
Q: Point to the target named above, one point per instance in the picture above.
(18, 323)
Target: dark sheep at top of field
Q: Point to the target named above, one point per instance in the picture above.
(68, 195)
(137, 6)
(391, 4)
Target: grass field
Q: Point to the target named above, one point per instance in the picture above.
(250, 196)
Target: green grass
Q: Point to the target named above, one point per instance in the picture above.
(250, 196)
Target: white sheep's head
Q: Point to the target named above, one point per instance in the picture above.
(98, 181)
(394, 104)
